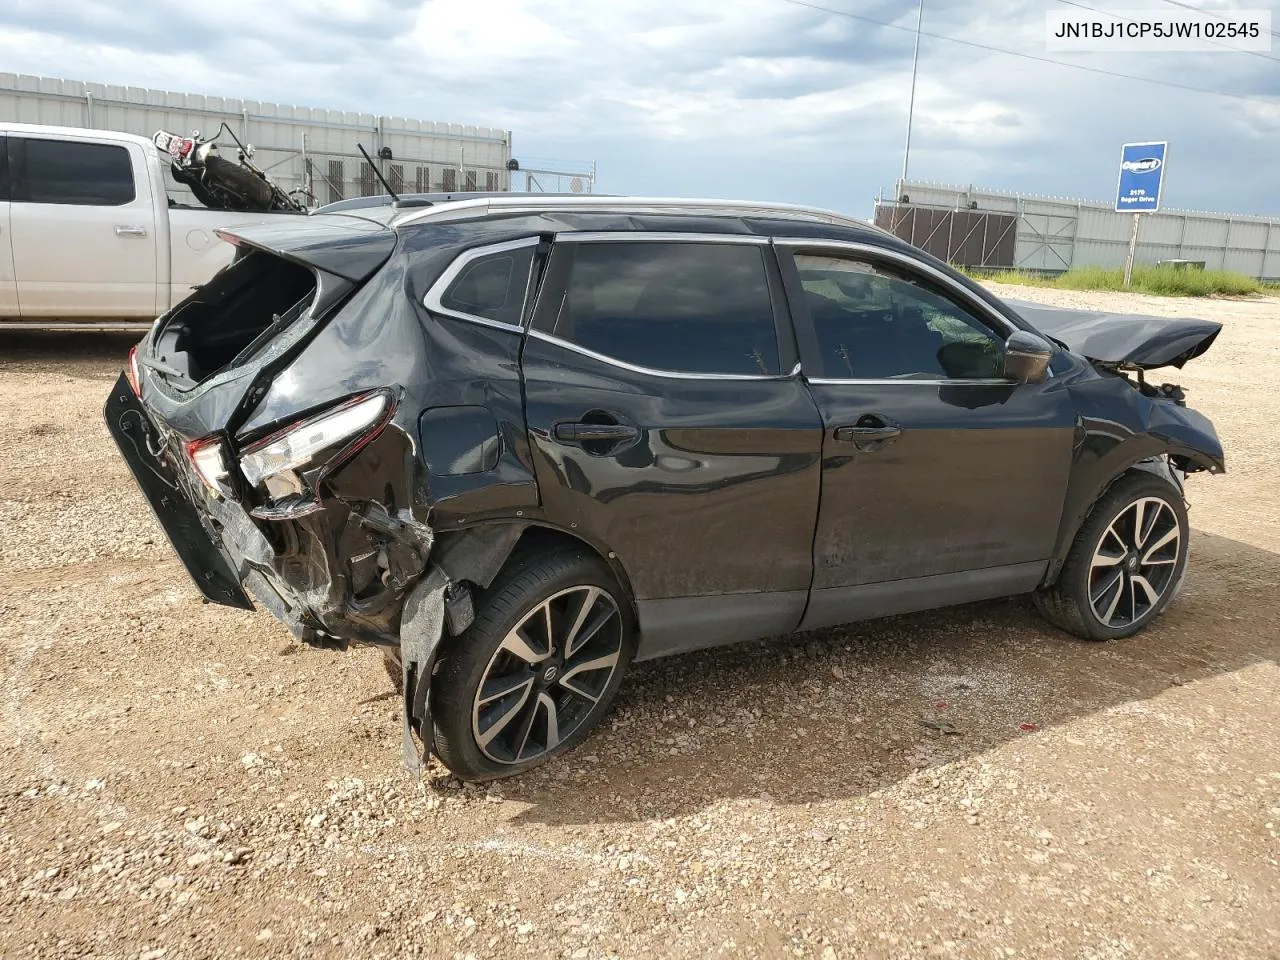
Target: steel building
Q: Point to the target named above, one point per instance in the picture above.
(298, 146)
(991, 228)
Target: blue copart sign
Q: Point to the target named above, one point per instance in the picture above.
(1141, 174)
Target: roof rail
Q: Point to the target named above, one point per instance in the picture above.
(483, 206)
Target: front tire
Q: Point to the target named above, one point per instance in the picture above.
(536, 671)
(1126, 563)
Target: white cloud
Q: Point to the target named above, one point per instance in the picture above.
(753, 97)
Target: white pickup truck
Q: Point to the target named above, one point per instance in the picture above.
(89, 236)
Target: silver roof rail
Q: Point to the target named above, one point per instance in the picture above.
(478, 207)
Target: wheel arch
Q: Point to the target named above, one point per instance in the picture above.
(474, 556)
(478, 555)
(1074, 517)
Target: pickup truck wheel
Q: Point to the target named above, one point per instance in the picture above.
(537, 669)
(1126, 563)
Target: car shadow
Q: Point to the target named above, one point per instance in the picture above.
(847, 711)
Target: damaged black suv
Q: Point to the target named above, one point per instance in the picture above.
(521, 442)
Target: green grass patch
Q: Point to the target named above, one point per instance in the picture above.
(1160, 281)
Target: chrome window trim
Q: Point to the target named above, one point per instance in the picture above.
(874, 251)
(432, 300)
(654, 372)
(883, 381)
(607, 236)
(476, 207)
(965, 296)
(642, 236)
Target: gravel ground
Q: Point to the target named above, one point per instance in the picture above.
(181, 780)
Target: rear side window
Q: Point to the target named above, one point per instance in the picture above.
(683, 307)
(492, 286)
(66, 171)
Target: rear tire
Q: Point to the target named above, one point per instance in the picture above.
(537, 669)
(252, 192)
(1126, 563)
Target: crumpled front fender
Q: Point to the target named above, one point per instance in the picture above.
(1189, 435)
(1120, 427)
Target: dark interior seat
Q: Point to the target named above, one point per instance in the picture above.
(880, 343)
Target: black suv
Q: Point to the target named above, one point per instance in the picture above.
(521, 442)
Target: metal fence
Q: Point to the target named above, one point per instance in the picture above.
(298, 146)
(971, 238)
(333, 176)
(1054, 234)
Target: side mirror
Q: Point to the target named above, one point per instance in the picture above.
(1026, 357)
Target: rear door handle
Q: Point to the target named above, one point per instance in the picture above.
(586, 432)
(123, 231)
(857, 434)
(870, 433)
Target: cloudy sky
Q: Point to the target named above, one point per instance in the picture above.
(737, 98)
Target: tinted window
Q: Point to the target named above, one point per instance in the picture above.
(872, 322)
(63, 171)
(688, 307)
(492, 286)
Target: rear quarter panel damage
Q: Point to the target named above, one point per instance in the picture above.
(385, 337)
(345, 570)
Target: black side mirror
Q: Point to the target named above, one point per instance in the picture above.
(1026, 357)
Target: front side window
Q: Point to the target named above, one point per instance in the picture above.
(492, 286)
(873, 322)
(67, 171)
(681, 307)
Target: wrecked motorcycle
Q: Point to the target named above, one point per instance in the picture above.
(218, 183)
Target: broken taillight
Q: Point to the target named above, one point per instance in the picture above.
(132, 373)
(341, 431)
(209, 458)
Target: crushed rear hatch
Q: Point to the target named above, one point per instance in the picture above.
(208, 359)
(315, 517)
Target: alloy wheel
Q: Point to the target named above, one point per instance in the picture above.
(547, 675)
(1134, 562)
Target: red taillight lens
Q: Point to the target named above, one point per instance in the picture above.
(209, 459)
(132, 373)
(185, 147)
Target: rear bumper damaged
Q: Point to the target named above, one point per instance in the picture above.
(311, 591)
(322, 611)
(351, 568)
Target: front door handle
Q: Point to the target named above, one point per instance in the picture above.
(870, 433)
(123, 231)
(580, 432)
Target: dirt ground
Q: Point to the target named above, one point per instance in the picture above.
(181, 780)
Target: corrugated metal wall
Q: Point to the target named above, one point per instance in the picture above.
(1056, 233)
(297, 146)
(969, 238)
